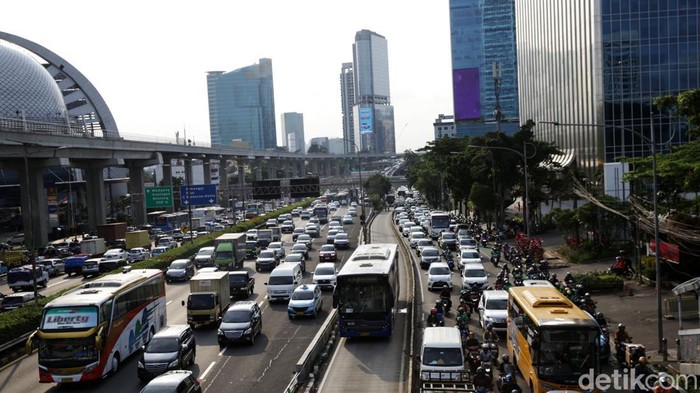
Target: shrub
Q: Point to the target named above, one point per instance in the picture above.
(599, 281)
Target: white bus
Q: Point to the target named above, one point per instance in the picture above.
(439, 222)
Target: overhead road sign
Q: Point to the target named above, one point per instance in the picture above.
(161, 196)
(198, 194)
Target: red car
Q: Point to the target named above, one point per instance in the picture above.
(327, 253)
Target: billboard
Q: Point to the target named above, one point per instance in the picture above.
(366, 124)
(304, 187)
(467, 100)
(266, 190)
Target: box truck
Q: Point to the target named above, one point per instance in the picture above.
(209, 297)
(230, 250)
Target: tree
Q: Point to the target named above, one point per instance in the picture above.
(484, 200)
(377, 185)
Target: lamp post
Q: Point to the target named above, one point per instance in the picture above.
(652, 143)
(524, 157)
(363, 217)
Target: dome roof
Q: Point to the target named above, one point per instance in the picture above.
(28, 87)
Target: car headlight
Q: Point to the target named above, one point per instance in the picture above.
(219, 332)
(139, 365)
(173, 363)
(248, 331)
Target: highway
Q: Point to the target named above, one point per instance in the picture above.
(266, 366)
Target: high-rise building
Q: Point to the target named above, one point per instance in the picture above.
(242, 106)
(321, 141)
(373, 115)
(599, 64)
(336, 146)
(293, 132)
(484, 68)
(347, 100)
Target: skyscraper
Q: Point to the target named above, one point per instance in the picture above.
(347, 101)
(293, 132)
(599, 64)
(484, 67)
(373, 115)
(242, 106)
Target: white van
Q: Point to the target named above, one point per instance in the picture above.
(441, 357)
(493, 309)
(283, 281)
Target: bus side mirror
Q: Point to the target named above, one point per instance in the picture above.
(335, 300)
(183, 302)
(98, 339)
(30, 342)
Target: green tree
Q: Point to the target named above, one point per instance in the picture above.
(484, 200)
(377, 185)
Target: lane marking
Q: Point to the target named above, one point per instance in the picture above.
(168, 302)
(202, 376)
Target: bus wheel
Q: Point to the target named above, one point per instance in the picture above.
(115, 364)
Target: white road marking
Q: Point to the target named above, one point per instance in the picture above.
(168, 302)
(204, 374)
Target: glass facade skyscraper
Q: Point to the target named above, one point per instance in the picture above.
(347, 101)
(483, 33)
(293, 132)
(373, 115)
(599, 64)
(242, 106)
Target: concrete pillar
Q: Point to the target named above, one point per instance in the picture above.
(35, 216)
(137, 191)
(168, 177)
(258, 169)
(271, 169)
(206, 168)
(327, 164)
(223, 183)
(314, 167)
(95, 196)
(301, 169)
(241, 182)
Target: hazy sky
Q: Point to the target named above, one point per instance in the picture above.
(149, 58)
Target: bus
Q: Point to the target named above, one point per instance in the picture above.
(321, 212)
(254, 209)
(367, 291)
(170, 222)
(439, 222)
(152, 217)
(90, 331)
(210, 213)
(552, 341)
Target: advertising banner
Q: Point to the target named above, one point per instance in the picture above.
(366, 125)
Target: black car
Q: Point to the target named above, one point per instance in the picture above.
(172, 348)
(251, 249)
(241, 322)
(176, 381)
(297, 232)
(180, 270)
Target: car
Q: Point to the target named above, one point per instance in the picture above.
(306, 301)
(342, 241)
(306, 240)
(330, 235)
(305, 215)
(325, 275)
(467, 256)
(468, 244)
(54, 266)
(159, 251)
(174, 381)
(297, 248)
(166, 241)
(177, 235)
(17, 300)
(271, 223)
(251, 249)
(335, 225)
(138, 254)
(287, 226)
(180, 270)
(447, 240)
(347, 220)
(204, 257)
(312, 230)
(252, 234)
(415, 236)
(327, 253)
(296, 233)
(474, 276)
(278, 248)
(172, 348)
(201, 233)
(493, 309)
(209, 269)
(463, 233)
(267, 260)
(428, 256)
(189, 236)
(241, 322)
(115, 253)
(352, 212)
(422, 243)
(439, 275)
(406, 228)
(296, 257)
(16, 240)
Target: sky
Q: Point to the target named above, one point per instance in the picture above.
(149, 58)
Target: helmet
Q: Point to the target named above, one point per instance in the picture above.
(438, 302)
(568, 273)
(642, 360)
(481, 370)
(433, 311)
(587, 295)
(622, 252)
(664, 381)
(508, 378)
(472, 335)
(554, 275)
(599, 315)
(515, 391)
(485, 347)
(505, 358)
(445, 286)
(621, 326)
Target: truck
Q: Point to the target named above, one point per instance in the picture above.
(209, 297)
(321, 212)
(241, 283)
(14, 258)
(230, 250)
(276, 234)
(111, 232)
(136, 239)
(75, 264)
(93, 247)
(21, 278)
(264, 237)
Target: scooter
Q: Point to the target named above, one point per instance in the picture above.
(446, 304)
(495, 258)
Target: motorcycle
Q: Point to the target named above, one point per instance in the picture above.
(622, 270)
(495, 258)
(450, 261)
(446, 304)
(488, 368)
(473, 358)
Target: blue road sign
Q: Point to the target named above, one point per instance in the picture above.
(198, 194)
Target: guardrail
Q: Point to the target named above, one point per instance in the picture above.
(319, 345)
(18, 342)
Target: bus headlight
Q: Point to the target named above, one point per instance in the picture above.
(90, 368)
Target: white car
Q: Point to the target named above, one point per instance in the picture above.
(474, 275)
(115, 253)
(325, 275)
(138, 254)
(493, 309)
(415, 236)
(468, 244)
(439, 275)
(467, 256)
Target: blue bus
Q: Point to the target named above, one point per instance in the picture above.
(367, 291)
(170, 222)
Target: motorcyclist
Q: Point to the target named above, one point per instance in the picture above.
(438, 308)
(588, 302)
(509, 384)
(621, 335)
(472, 341)
(462, 316)
(569, 278)
(433, 318)
(481, 380)
(554, 280)
(664, 385)
(506, 367)
(641, 369)
(490, 335)
(446, 294)
(485, 355)
(600, 319)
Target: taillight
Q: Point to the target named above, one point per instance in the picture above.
(196, 381)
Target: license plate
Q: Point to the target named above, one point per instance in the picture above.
(66, 380)
(364, 334)
(300, 313)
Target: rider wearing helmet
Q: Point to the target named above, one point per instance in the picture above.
(509, 384)
(600, 319)
(553, 279)
(446, 294)
(490, 335)
(472, 341)
(506, 367)
(621, 335)
(485, 354)
(481, 380)
(433, 318)
(438, 307)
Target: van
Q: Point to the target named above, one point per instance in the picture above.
(283, 281)
(441, 356)
(493, 309)
(17, 300)
(172, 348)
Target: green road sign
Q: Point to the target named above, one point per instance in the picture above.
(159, 197)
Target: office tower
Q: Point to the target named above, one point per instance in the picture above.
(599, 64)
(336, 146)
(347, 100)
(373, 115)
(242, 106)
(484, 68)
(321, 142)
(293, 132)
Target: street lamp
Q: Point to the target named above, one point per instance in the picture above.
(652, 143)
(363, 217)
(524, 157)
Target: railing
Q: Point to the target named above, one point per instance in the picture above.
(9, 124)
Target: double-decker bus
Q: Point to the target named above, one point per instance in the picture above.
(321, 212)
(439, 222)
(169, 222)
(367, 290)
(90, 331)
(552, 341)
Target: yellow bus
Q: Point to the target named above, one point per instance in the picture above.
(552, 342)
(89, 332)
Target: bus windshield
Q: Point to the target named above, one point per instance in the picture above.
(364, 299)
(565, 354)
(440, 221)
(68, 352)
